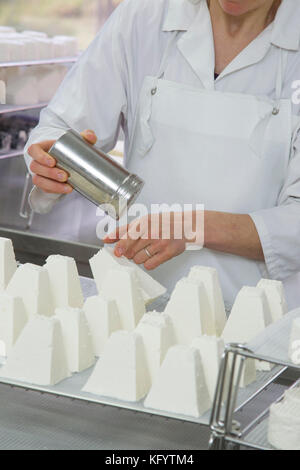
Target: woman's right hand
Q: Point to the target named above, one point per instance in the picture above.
(45, 174)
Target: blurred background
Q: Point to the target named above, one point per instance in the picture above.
(80, 18)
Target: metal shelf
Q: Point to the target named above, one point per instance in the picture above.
(8, 108)
(29, 63)
(11, 154)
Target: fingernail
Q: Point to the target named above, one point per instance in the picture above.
(67, 189)
(61, 176)
(119, 251)
(49, 161)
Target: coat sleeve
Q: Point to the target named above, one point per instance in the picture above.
(279, 227)
(92, 96)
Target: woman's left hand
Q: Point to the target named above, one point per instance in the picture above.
(150, 240)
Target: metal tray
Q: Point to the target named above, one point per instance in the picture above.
(71, 387)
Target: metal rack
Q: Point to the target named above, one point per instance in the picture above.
(271, 346)
(60, 60)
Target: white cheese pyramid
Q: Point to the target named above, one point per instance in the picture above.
(121, 372)
(39, 356)
(158, 336)
(8, 263)
(180, 384)
(64, 281)
(284, 422)
(13, 318)
(211, 350)
(294, 346)
(189, 310)
(210, 279)
(103, 319)
(121, 284)
(250, 315)
(105, 260)
(77, 338)
(275, 296)
(31, 283)
(2, 92)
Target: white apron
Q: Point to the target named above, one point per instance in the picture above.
(228, 151)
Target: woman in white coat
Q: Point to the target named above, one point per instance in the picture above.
(207, 94)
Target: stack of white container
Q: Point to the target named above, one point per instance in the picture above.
(22, 86)
(171, 359)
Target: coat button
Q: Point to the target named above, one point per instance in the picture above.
(153, 91)
(275, 111)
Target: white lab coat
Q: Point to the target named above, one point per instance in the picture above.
(102, 91)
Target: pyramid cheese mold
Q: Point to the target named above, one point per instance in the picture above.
(77, 338)
(189, 310)
(8, 264)
(121, 284)
(39, 356)
(250, 315)
(105, 260)
(121, 372)
(209, 277)
(180, 384)
(64, 281)
(103, 319)
(284, 422)
(13, 318)
(294, 346)
(31, 283)
(275, 296)
(158, 336)
(211, 350)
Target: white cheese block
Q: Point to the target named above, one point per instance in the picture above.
(210, 279)
(122, 286)
(77, 338)
(21, 88)
(12, 49)
(13, 318)
(46, 48)
(38, 34)
(275, 296)
(180, 384)
(7, 29)
(4, 50)
(48, 80)
(31, 283)
(121, 372)
(38, 357)
(284, 422)
(248, 374)
(105, 260)
(250, 315)
(103, 319)
(2, 92)
(158, 336)
(8, 264)
(70, 45)
(189, 310)
(294, 346)
(64, 281)
(211, 350)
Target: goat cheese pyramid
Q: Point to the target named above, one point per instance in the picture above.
(210, 279)
(122, 285)
(13, 318)
(294, 346)
(121, 372)
(189, 310)
(77, 338)
(275, 296)
(8, 263)
(250, 315)
(211, 350)
(64, 281)
(31, 283)
(39, 356)
(179, 386)
(284, 422)
(103, 319)
(156, 329)
(105, 260)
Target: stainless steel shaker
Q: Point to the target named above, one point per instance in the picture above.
(95, 175)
